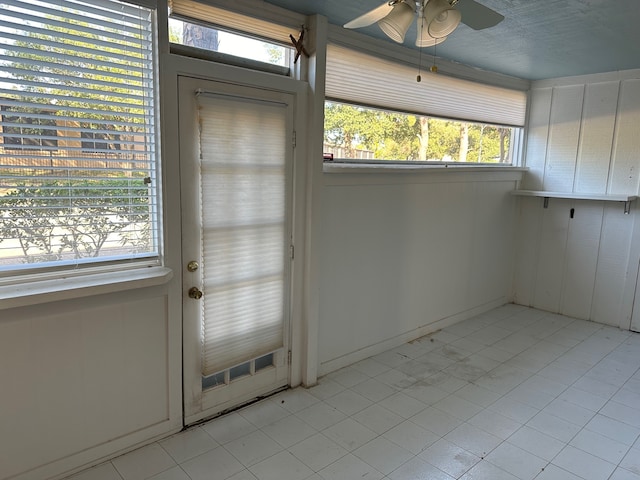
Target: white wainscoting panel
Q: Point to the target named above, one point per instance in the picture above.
(78, 378)
(399, 256)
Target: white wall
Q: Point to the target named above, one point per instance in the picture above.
(85, 378)
(398, 255)
(403, 254)
(583, 137)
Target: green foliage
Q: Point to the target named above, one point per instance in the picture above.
(101, 79)
(398, 136)
(60, 219)
(275, 53)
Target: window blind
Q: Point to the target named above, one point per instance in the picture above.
(77, 132)
(192, 9)
(243, 194)
(359, 78)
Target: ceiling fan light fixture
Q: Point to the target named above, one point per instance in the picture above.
(440, 18)
(423, 39)
(397, 22)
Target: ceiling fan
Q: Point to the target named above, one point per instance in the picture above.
(435, 18)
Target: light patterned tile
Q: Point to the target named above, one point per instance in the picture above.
(105, 471)
(175, 473)
(551, 472)
(622, 474)
(374, 390)
(321, 415)
(600, 446)
(348, 402)
(282, 466)
(188, 444)
(253, 448)
(416, 469)
(411, 437)
(436, 421)
(263, 413)
(631, 461)
(229, 427)
(350, 467)
(537, 443)
(449, 458)
(350, 434)
(458, 407)
(383, 455)
(584, 464)
(473, 439)
(217, 460)
(378, 419)
(495, 424)
(143, 463)
(295, 400)
(403, 405)
(318, 451)
(613, 429)
(516, 461)
(289, 430)
(485, 471)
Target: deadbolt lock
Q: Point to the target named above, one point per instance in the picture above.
(192, 266)
(195, 292)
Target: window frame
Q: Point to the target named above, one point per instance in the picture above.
(515, 143)
(24, 284)
(358, 74)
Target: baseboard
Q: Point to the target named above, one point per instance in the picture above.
(366, 352)
(93, 456)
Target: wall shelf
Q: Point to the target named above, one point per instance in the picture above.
(626, 199)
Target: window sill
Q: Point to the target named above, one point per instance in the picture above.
(330, 167)
(51, 290)
(348, 174)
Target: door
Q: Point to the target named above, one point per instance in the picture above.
(236, 156)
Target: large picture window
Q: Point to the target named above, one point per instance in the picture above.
(77, 133)
(376, 111)
(363, 134)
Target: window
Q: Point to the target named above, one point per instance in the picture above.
(95, 141)
(367, 134)
(377, 111)
(212, 29)
(77, 133)
(28, 129)
(216, 40)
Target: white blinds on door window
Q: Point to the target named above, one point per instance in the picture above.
(77, 132)
(355, 77)
(243, 192)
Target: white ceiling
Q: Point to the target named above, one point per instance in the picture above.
(538, 38)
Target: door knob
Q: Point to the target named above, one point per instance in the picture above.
(195, 292)
(192, 266)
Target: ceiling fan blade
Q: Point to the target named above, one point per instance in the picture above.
(370, 17)
(477, 16)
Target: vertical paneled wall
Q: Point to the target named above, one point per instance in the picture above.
(579, 257)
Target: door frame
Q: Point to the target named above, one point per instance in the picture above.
(177, 66)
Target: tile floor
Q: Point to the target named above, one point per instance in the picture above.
(512, 394)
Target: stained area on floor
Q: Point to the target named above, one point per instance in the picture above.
(512, 394)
